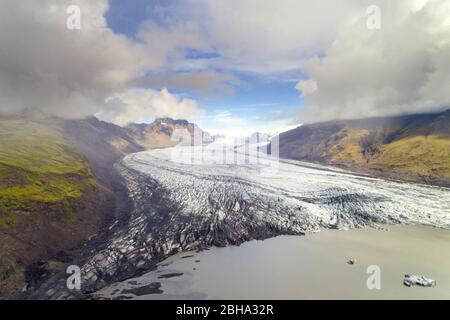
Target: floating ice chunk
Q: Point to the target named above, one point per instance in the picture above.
(411, 280)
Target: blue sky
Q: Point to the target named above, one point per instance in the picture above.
(124, 17)
(264, 100)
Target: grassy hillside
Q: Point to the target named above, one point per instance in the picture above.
(50, 200)
(58, 189)
(37, 166)
(422, 155)
(346, 146)
(413, 148)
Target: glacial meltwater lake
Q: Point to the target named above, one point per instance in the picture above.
(306, 267)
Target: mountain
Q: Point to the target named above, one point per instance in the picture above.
(102, 143)
(411, 148)
(182, 208)
(166, 132)
(59, 188)
(50, 200)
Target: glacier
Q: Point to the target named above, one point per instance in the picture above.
(290, 195)
(193, 197)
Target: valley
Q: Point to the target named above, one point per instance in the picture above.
(129, 208)
(224, 149)
(180, 206)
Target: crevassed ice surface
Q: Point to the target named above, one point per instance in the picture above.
(191, 198)
(226, 182)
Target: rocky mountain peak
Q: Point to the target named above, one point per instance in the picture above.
(159, 133)
(170, 121)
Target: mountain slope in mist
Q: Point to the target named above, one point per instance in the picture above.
(413, 147)
(59, 188)
(49, 200)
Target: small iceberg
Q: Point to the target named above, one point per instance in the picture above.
(412, 280)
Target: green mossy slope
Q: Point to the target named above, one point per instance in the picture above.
(37, 167)
(411, 148)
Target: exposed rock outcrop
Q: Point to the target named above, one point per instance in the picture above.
(167, 132)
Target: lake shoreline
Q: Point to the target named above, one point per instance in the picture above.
(306, 267)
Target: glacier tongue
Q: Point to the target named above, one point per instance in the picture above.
(291, 196)
(186, 200)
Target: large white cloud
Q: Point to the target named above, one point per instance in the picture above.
(47, 68)
(205, 82)
(401, 68)
(248, 35)
(141, 105)
(349, 71)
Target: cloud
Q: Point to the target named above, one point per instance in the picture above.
(401, 68)
(307, 87)
(248, 35)
(206, 82)
(225, 122)
(203, 46)
(47, 68)
(141, 105)
(349, 70)
(277, 115)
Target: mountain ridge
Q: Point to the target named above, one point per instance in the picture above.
(73, 190)
(167, 132)
(410, 148)
(59, 189)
